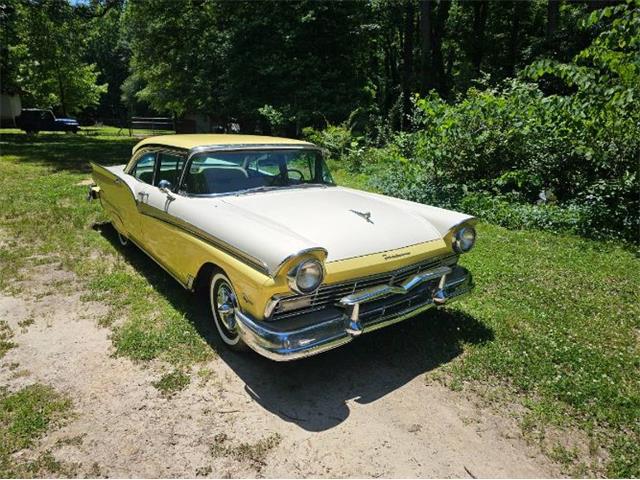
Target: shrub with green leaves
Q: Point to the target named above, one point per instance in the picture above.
(577, 153)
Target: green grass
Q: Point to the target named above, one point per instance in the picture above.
(44, 213)
(563, 311)
(25, 416)
(172, 382)
(565, 314)
(5, 338)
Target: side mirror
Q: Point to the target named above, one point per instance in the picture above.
(164, 186)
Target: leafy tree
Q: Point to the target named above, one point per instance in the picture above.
(47, 50)
(106, 47)
(306, 60)
(8, 55)
(177, 50)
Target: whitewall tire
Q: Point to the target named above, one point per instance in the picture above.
(223, 302)
(124, 241)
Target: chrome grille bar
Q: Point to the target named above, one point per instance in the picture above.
(328, 295)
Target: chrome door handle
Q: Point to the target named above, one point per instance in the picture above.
(117, 181)
(142, 195)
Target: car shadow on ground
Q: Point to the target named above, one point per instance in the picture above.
(315, 393)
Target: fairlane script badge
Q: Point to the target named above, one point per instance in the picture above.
(365, 215)
(397, 255)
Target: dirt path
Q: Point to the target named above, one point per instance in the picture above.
(347, 413)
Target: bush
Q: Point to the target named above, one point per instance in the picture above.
(499, 151)
(335, 139)
(514, 215)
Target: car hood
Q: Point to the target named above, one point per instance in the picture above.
(347, 223)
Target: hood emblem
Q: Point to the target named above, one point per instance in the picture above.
(365, 215)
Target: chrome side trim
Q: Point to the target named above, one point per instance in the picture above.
(150, 211)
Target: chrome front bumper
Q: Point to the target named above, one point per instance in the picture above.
(358, 313)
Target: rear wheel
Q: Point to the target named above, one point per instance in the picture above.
(124, 241)
(224, 303)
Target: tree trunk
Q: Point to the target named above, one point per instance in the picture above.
(63, 105)
(480, 12)
(426, 44)
(553, 13)
(518, 13)
(437, 62)
(407, 64)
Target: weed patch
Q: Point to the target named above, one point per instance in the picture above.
(253, 453)
(172, 382)
(25, 416)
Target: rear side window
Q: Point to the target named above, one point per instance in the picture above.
(145, 167)
(169, 168)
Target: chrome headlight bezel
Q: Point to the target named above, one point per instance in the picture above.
(464, 238)
(304, 267)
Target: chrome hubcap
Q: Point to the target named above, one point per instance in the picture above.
(225, 304)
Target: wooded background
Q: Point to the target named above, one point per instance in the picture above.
(525, 113)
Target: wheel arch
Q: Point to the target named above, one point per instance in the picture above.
(204, 273)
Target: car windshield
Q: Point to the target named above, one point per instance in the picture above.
(255, 170)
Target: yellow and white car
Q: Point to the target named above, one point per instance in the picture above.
(293, 264)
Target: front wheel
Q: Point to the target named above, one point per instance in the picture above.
(224, 303)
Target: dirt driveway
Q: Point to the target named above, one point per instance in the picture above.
(367, 410)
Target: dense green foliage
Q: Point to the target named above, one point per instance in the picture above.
(242, 57)
(309, 62)
(517, 156)
(43, 57)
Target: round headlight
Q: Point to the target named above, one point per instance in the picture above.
(306, 276)
(464, 239)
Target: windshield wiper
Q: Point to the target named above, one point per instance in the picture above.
(264, 188)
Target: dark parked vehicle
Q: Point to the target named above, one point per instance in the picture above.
(34, 120)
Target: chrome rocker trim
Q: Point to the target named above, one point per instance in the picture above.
(341, 328)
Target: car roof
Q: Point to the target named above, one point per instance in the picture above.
(194, 140)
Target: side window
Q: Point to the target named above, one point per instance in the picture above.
(145, 167)
(170, 168)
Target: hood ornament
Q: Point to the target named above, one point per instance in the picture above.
(365, 215)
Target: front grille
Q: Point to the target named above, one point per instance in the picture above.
(329, 295)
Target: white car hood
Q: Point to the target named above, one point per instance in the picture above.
(326, 217)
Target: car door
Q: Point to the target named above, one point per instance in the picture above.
(160, 235)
